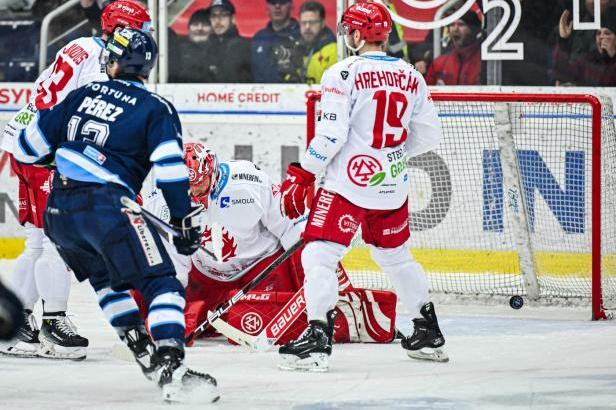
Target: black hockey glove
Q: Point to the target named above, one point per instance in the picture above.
(189, 228)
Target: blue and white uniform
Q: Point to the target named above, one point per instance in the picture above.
(105, 138)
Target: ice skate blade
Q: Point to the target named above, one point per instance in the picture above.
(435, 355)
(316, 362)
(53, 351)
(22, 350)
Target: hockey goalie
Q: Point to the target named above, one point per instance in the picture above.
(244, 233)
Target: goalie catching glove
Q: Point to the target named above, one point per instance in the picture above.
(189, 229)
(296, 191)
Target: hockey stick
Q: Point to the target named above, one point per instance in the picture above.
(278, 326)
(224, 308)
(167, 231)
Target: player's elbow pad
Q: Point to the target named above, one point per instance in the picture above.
(320, 152)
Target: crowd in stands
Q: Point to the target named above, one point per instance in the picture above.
(289, 50)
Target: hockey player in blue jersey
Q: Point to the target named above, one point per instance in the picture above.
(103, 139)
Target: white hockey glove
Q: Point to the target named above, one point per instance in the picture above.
(20, 121)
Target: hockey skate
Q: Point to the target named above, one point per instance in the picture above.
(59, 339)
(311, 351)
(142, 348)
(28, 344)
(179, 383)
(427, 341)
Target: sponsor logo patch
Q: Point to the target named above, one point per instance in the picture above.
(396, 230)
(146, 240)
(347, 224)
(361, 169)
(251, 323)
(243, 176)
(344, 74)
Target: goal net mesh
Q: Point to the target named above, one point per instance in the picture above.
(460, 214)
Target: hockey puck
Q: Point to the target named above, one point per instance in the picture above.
(516, 302)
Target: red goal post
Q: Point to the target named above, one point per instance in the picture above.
(553, 154)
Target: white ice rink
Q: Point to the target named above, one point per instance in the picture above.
(537, 358)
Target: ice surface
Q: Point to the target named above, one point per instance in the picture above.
(537, 357)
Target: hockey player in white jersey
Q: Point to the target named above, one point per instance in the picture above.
(244, 232)
(375, 112)
(39, 271)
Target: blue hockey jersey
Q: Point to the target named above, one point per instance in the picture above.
(112, 132)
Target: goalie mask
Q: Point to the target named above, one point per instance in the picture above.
(202, 171)
(372, 20)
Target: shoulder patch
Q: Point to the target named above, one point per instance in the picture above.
(344, 74)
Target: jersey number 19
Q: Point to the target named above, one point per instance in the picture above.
(389, 112)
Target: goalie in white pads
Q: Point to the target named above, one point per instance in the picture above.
(376, 111)
(244, 232)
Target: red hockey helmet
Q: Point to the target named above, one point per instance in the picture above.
(125, 13)
(372, 20)
(202, 170)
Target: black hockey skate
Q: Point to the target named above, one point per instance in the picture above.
(312, 349)
(427, 341)
(179, 383)
(142, 348)
(59, 339)
(27, 344)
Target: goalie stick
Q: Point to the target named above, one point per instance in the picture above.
(283, 320)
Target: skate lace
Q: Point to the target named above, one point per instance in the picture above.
(67, 326)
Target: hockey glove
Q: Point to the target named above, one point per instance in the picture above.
(296, 191)
(189, 228)
(20, 121)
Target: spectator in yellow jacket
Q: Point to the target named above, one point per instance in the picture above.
(318, 41)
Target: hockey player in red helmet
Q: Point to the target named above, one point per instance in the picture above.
(379, 114)
(125, 13)
(39, 272)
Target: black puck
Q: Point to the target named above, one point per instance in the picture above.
(516, 302)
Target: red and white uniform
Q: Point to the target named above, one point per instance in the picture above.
(76, 64)
(39, 271)
(244, 232)
(376, 111)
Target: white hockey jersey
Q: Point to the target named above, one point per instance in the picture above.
(243, 222)
(76, 64)
(375, 112)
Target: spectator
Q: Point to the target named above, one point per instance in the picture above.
(318, 40)
(536, 32)
(582, 41)
(228, 59)
(276, 49)
(598, 66)
(186, 60)
(461, 65)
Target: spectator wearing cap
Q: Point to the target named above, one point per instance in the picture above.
(595, 68)
(461, 65)
(186, 59)
(318, 40)
(228, 59)
(276, 49)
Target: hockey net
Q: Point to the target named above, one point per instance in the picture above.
(518, 199)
